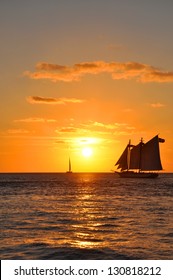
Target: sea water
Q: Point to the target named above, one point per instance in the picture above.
(85, 216)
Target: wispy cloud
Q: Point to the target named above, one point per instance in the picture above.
(67, 129)
(17, 131)
(96, 128)
(157, 105)
(71, 130)
(118, 71)
(35, 120)
(52, 101)
(79, 141)
(107, 125)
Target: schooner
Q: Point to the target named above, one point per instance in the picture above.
(142, 160)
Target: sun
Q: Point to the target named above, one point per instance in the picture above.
(87, 151)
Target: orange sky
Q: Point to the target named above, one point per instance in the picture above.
(92, 74)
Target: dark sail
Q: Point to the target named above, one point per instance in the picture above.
(150, 156)
(123, 160)
(135, 157)
(144, 157)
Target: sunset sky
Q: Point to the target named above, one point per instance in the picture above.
(83, 74)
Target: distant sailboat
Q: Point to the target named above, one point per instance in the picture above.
(69, 167)
(144, 158)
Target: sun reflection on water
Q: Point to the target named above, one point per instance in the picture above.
(87, 212)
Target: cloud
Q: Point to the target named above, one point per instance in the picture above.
(157, 105)
(66, 129)
(79, 141)
(158, 76)
(78, 129)
(52, 101)
(96, 128)
(61, 141)
(17, 131)
(118, 71)
(35, 120)
(108, 126)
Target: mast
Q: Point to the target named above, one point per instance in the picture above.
(128, 155)
(124, 160)
(140, 154)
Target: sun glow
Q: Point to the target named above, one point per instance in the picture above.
(87, 151)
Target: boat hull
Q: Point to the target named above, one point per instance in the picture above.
(130, 174)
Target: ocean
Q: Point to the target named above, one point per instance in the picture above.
(85, 216)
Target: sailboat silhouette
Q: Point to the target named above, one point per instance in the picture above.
(69, 167)
(144, 158)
